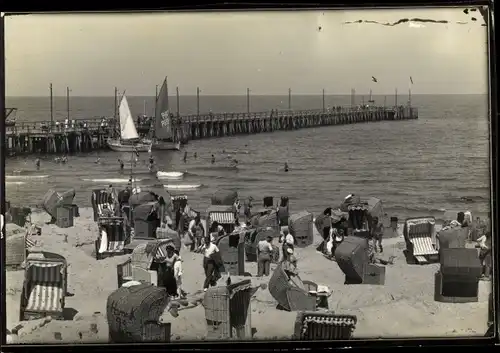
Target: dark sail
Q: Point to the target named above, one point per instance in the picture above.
(163, 121)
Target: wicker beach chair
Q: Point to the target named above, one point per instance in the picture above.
(291, 293)
(252, 238)
(420, 236)
(44, 287)
(224, 215)
(323, 326)
(112, 237)
(102, 204)
(228, 311)
(232, 250)
(17, 247)
(134, 314)
(301, 227)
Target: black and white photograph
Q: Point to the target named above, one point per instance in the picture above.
(247, 175)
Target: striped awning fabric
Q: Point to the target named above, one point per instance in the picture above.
(46, 272)
(180, 197)
(46, 298)
(28, 242)
(423, 246)
(222, 217)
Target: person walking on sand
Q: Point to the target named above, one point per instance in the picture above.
(377, 230)
(211, 261)
(264, 255)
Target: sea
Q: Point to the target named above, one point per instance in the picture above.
(423, 167)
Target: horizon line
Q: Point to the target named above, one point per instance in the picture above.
(260, 95)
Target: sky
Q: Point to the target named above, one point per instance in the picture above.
(224, 53)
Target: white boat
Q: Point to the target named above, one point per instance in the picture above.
(182, 187)
(169, 175)
(129, 138)
(161, 128)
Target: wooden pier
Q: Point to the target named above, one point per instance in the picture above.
(87, 135)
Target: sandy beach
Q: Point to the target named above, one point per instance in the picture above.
(403, 307)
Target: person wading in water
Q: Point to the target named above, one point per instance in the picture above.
(185, 156)
(37, 163)
(122, 165)
(213, 159)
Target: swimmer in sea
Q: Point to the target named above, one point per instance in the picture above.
(286, 167)
(97, 161)
(213, 159)
(64, 159)
(185, 156)
(37, 163)
(195, 155)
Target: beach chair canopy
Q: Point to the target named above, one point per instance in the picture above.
(224, 197)
(222, 217)
(141, 198)
(146, 211)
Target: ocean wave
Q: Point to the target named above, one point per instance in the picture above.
(111, 180)
(24, 177)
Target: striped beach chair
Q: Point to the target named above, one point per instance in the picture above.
(420, 237)
(45, 285)
(323, 326)
(102, 203)
(112, 237)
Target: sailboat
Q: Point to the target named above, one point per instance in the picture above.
(161, 128)
(129, 138)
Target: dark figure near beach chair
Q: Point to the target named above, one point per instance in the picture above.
(326, 227)
(166, 276)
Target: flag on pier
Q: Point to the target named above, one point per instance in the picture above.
(374, 79)
(411, 80)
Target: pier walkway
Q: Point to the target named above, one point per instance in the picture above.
(90, 134)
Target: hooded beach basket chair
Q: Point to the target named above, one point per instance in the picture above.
(140, 266)
(232, 251)
(291, 293)
(419, 235)
(17, 247)
(224, 198)
(135, 314)
(102, 204)
(312, 326)
(451, 238)
(228, 311)
(224, 215)
(112, 237)
(254, 236)
(44, 287)
(301, 227)
(146, 220)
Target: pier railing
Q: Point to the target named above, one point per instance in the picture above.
(100, 124)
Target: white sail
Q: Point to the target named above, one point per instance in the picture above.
(127, 126)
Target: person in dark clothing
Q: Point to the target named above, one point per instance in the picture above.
(211, 262)
(286, 167)
(37, 163)
(185, 156)
(166, 276)
(122, 165)
(326, 226)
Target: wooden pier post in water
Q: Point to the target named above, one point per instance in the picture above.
(51, 108)
(178, 103)
(248, 100)
(197, 101)
(289, 99)
(323, 100)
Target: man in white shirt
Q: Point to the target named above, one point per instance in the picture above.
(485, 254)
(211, 259)
(195, 232)
(264, 255)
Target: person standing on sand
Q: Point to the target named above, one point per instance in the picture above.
(166, 273)
(247, 207)
(326, 226)
(288, 243)
(264, 254)
(377, 231)
(211, 256)
(485, 254)
(196, 232)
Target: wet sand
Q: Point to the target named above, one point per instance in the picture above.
(403, 307)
